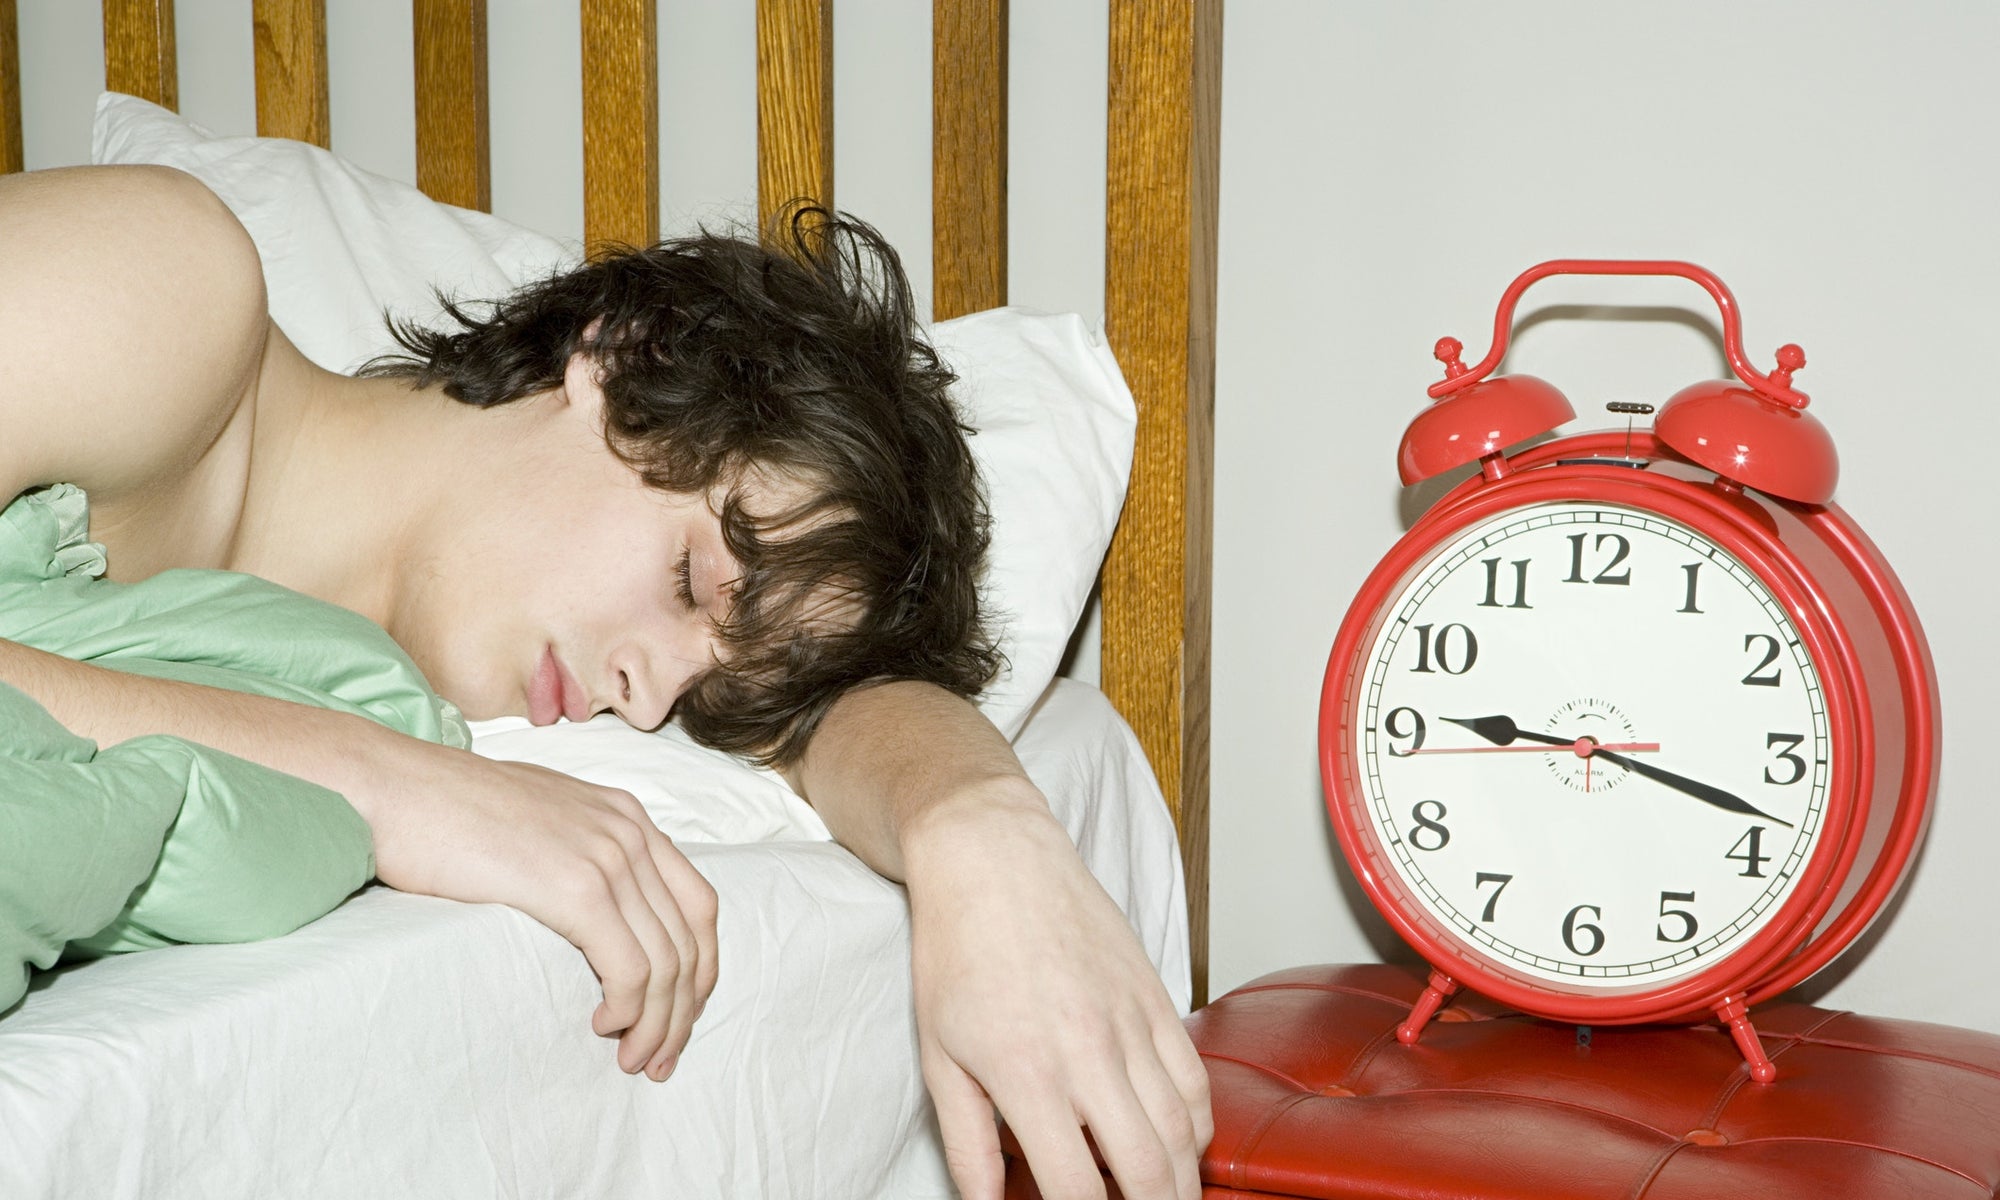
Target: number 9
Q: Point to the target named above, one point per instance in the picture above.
(1416, 734)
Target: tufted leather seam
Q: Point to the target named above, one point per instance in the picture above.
(1542, 1101)
(1879, 1149)
(1822, 1023)
(1262, 1069)
(1895, 1052)
(1239, 1176)
(1331, 989)
(1775, 1047)
(1652, 1176)
(1366, 1055)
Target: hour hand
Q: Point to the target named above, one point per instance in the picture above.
(1502, 731)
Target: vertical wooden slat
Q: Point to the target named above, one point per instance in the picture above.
(794, 104)
(10, 89)
(968, 156)
(1160, 233)
(454, 164)
(139, 51)
(291, 70)
(621, 123)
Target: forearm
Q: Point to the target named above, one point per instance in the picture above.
(892, 764)
(1031, 993)
(336, 750)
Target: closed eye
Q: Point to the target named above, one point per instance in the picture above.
(684, 587)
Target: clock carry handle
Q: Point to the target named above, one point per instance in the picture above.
(1777, 386)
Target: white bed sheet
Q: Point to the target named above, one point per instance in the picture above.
(407, 1046)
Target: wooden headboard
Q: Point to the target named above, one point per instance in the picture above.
(1160, 237)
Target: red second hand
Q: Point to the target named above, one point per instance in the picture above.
(1583, 748)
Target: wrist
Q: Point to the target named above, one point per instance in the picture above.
(379, 764)
(978, 822)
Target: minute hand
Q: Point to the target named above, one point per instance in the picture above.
(1501, 730)
(1700, 791)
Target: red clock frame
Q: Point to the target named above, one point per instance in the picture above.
(1850, 610)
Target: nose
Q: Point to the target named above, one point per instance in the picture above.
(645, 686)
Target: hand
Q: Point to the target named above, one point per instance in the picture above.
(1501, 731)
(583, 860)
(1034, 998)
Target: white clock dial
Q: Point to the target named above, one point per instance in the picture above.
(1592, 745)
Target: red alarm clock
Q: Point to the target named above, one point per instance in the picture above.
(1631, 726)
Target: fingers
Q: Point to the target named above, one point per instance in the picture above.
(1061, 1160)
(667, 913)
(1174, 1123)
(1189, 1077)
(693, 902)
(1143, 1096)
(646, 907)
(965, 1120)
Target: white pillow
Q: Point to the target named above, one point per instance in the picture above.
(340, 245)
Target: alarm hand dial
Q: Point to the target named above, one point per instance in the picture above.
(1501, 731)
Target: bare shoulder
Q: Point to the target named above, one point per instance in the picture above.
(132, 323)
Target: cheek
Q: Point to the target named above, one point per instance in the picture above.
(454, 634)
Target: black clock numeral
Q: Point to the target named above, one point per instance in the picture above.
(1520, 599)
(1465, 649)
(1415, 734)
(1693, 570)
(1572, 927)
(1686, 918)
(1619, 549)
(1432, 824)
(1789, 742)
(1754, 678)
(1752, 857)
(1481, 880)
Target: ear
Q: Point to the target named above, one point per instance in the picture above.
(583, 394)
(581, 387)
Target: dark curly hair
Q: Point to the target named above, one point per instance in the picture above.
(795, 354)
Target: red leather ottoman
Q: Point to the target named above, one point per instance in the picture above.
(1314, 1097)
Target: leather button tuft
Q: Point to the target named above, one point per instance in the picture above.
(1706, 1137)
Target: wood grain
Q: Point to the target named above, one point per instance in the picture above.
(794, 104)
(139, 58)
(1160, 233)
(968, 156)
(621, 123)
(291, 70)
(10, 89)
(454, 159)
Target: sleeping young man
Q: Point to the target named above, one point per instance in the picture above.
(714, 479)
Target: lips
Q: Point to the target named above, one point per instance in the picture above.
(575, 703)
(545, 698)
(554, 693)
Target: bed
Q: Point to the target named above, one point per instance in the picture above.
(404, 1045)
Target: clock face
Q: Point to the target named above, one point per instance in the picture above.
(1592, 746)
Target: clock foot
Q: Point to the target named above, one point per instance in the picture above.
(1441, 986)
(1732, 1013)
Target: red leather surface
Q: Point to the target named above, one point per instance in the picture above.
(1314, 1097)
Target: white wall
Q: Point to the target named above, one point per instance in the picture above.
(1387, 169)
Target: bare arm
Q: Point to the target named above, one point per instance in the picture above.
(112, 274)
(1033, 996)
(584, 860)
